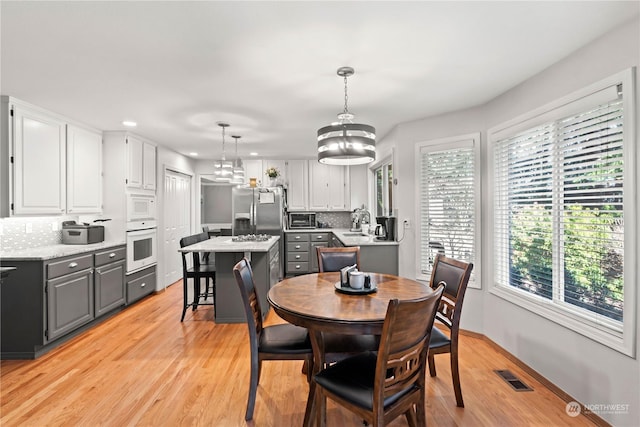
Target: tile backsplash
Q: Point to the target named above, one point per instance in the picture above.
(335, 219)
(30, 232)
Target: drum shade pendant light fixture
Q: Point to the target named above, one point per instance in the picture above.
(223, 169)
(238, 170)
(345, 142)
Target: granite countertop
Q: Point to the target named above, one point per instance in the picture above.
(226, 244)
(347, 237)
(42, 253)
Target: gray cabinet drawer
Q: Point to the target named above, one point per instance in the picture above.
(141, 286)
(297, 267)
(70, 265)
(297, 237)
(319, 237)
(297, 257)
(110, 255)
(297, 246)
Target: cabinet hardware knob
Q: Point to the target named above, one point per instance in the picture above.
(298, 237)
(297, 267)
(112, 254)
(297, 246)
(73, 265)
(297, 256)
(143, 285)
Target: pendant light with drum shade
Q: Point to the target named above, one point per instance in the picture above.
(238, 170)
(345, 142)
(223, 169)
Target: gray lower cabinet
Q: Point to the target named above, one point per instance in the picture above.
(317, 240)
(140, 284)
(44, 302)
(69, 303)
(297, 249)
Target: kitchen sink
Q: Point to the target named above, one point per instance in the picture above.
(355, 234)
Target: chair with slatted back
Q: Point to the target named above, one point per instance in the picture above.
(380, 386)
(454, 275)
(199, 269)
(333, 259)
(276, 342)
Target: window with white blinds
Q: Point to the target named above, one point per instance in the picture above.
(559, 212)
(449, 202)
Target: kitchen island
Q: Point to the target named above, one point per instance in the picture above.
(265, 263)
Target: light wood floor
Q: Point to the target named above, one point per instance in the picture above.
(143, 367)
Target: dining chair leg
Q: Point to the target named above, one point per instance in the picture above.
(253, 386)
(421, 413)
(432, 365)
(196, 293)
(411, 418)
(455, 374)
(321, 408)
(185, 297)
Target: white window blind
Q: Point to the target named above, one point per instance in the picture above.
(563, 245)
(449, 196)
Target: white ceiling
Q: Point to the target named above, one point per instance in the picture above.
(269, 68)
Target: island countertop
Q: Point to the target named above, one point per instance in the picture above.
(226, 244)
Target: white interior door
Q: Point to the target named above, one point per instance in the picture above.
(177, 224)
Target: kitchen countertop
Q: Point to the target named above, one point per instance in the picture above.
(43, 253)
(225, 244)
(347, 237)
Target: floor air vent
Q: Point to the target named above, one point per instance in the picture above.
(512, 380)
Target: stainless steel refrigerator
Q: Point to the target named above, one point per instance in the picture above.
(259, 211)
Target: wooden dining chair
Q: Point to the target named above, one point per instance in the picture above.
(454, 275)
(337, 345)
(276, 342)
(198, 270)
(380, 386)
(333, 259)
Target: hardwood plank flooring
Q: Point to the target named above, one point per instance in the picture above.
(143, 367)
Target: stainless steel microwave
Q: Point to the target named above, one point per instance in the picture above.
(302, 220)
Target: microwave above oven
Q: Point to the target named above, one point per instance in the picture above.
(141, 207)
(302, 220)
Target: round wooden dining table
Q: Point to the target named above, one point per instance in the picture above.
(312, 301)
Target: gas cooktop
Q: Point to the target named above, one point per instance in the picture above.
(251, 238)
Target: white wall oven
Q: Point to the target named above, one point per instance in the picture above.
(141, 246)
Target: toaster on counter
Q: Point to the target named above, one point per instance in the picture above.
(81, 234)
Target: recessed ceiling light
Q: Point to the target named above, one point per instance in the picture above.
(253, 154)
(129, 123)
(193, 154)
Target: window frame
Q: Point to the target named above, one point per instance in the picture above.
(383, 164)
(459, 141)
(623, 338)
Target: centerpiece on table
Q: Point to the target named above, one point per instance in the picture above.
(273, 173)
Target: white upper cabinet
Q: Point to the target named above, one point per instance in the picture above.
(141, 160)
(281, 165)
(253, 169)
(298, 187)
(134, 160)
(148, 166)
(84, 170)
(327, 187)
(38, 155)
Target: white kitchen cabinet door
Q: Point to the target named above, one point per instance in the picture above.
(148, 166)
(253, 169)
(281, 165)
(84, 171)
(337, 186)
(326, 187)
(298, 188)
(39, 158)
(134, 160)
(318, 186)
